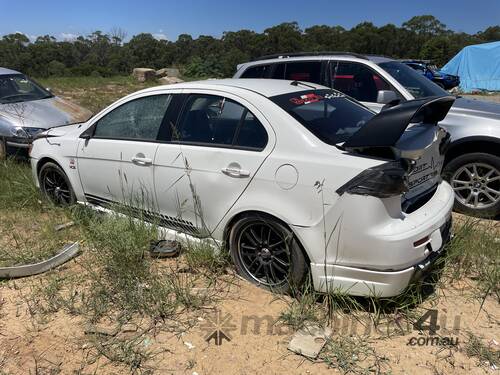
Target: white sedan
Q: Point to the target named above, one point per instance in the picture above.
(292, 178)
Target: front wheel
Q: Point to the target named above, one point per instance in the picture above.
(266, 253)
(55, 185)
(475, 178)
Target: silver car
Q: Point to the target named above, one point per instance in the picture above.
(472, 163)
(26, 109)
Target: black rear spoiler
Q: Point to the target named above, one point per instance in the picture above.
(385, 129)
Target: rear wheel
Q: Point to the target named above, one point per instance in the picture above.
(55, 185)
(475, 178)
(266, 253)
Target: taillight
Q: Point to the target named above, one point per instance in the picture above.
(386, 180)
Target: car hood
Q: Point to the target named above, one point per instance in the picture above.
(44, 113)
(59, 131)
(474, 107)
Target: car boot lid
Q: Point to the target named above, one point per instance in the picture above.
(386, 129)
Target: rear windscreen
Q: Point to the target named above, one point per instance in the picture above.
(328, 114)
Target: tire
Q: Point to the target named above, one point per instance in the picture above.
(471, 175)
(55, 185)
(266, 253)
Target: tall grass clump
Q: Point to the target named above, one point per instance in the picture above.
(17, 189)
(123, 277)
(474, 253)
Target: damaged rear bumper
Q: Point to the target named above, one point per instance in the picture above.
(365, 282)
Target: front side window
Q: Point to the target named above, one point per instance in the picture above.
(308, 71)
(16, 88)
(418, 85)
(138, 119)
(357, 81)
(219, 121)
(328, 114)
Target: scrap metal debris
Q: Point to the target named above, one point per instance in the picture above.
(60, 227)
(309, 340)
(68, 252)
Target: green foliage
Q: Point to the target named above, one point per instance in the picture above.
(203, 68)
(17, 189)
(100, 54)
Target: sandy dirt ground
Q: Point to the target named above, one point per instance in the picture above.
(491, 97)
(256, 341)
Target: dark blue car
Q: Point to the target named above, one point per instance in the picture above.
(446, 81)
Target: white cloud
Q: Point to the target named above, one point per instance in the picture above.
(68, 36)
(32, 38)
(160, 36)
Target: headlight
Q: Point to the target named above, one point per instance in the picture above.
(25, 132)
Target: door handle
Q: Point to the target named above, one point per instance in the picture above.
(235, 172)
(142, 161)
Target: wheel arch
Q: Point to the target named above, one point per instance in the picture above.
(237, 216)
(45, 160)
(484, 144)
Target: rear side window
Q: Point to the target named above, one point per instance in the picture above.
(251, 133)
(219, 121)
(328, 114)
(138, 119)
(258, 71)
(308, 71)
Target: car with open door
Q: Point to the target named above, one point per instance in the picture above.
(472, 162)
(290, 178)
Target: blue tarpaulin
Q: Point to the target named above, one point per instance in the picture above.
(478, 67)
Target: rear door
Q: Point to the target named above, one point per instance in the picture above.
(222, 141)
(116, 163)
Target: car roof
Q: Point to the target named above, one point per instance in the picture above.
(348, 56)
(5, 71)
(262, 86)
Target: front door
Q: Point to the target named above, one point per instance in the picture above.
(359, 81)
(116, 163)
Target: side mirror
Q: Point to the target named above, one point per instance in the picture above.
(386, 96)
(87, 134)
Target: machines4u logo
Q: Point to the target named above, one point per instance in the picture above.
(218, 327)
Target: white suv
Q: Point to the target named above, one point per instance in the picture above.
(291, 177)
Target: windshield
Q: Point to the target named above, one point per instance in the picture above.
(18, 88)
(328, 114)
(418, 85)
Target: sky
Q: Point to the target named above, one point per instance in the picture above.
(167, 19)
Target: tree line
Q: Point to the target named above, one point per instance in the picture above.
(107, 54)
